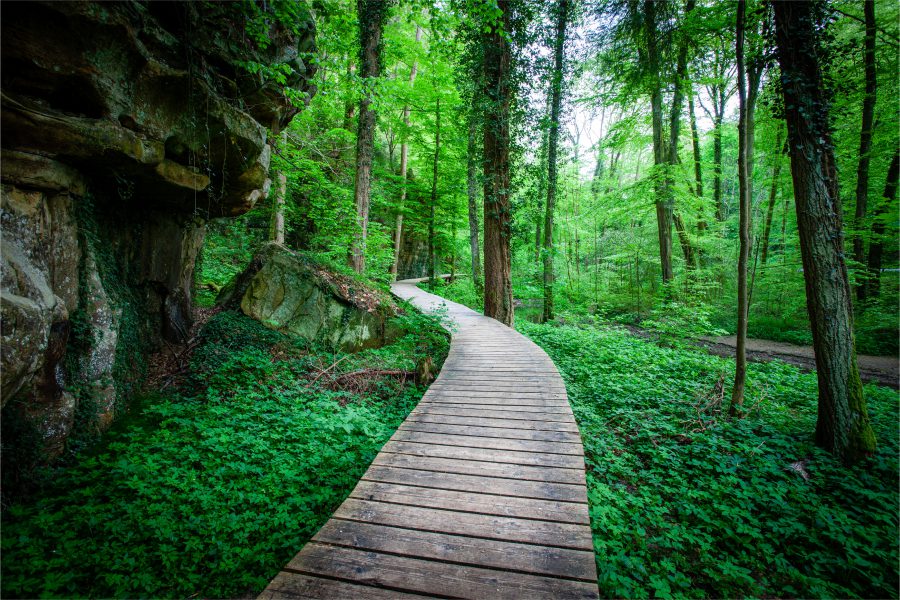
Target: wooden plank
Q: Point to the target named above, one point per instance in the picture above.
(435, 409)
(442, 579)
(516, 434)
(550, 409)
(500, 422)
(560, 492)
(442, 464)
(565, 461)
(295, 585)
(483, 442)
(477, 552)
(511, 529)
(482, 503)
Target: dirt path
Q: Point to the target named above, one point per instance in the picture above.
(883, 370)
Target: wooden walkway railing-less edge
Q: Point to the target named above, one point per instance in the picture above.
(479, 494)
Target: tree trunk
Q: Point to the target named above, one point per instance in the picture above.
(876, 246)
(371, 19)
(773, 192)
(663, 208)
(404, 161)
(865, 145)
(843, 423)
(717, 168)
(277, 233)
(472, 189)
(562, 10)
(497, 69)
(740, 375)
(432, 266)
(349, 106)
(698, 171)
(542, 186)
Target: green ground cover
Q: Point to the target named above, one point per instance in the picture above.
(213, 486)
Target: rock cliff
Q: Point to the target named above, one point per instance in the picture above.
(125, 126)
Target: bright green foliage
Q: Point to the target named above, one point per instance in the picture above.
(685, 503)
(213, 487)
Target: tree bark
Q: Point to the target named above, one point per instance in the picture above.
(663, 208)
(371, 20)
(740, 375)
(773, 192)
(472, 190)
(497, 67)
(404, 161)
(865, 145)
(843, 426)
(698, 170)
(562, 10)
(277, 233)
(876, 246)
(432, 264)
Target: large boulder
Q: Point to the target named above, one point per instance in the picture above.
(291, 292)
(125, 126)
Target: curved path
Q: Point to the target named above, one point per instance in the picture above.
(479, 494)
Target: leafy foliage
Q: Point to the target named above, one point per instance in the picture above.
(686, 503)
(214, 486)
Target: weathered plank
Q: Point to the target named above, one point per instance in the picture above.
(480, 493)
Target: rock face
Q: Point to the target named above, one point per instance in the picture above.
(287, 291)
(413, 260)
(125, 126)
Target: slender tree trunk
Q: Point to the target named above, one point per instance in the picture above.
(876, 246)
(843, 423)
(349, 105)
(497, 67)
(371, 20)
(865, 145)
(773, 193)
(717, 169)
(404, 162)
(562, 10)
(432, 266)
(695, 142)
(740, 376)
(472, 189)
(542, 185)
(663, 208)
(277, 234)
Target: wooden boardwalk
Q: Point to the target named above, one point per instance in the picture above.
(479, 494)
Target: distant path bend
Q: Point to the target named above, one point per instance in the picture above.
(479, 494)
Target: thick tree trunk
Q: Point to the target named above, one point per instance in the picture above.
(404, 161)
(432, 263)
(472, 190)
(865, 145)
(843, 423)
(497, 68)
(660, 158)
(562, 10)
(740, 375)
(371, 18)
(876, 246)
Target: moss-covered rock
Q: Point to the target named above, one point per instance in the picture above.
(291, 292)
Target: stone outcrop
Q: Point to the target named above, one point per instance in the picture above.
(290, 292)
(125, 126)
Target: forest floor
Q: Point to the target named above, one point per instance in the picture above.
(883, 370)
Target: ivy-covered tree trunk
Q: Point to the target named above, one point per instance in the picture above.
(371, 14)
(865, 144)
(404, 161)
(562, 10)
(740, 374)
(497, 68)
(472, 190)
(876, 246)
(843, 422)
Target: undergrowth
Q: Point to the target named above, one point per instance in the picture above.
(685, 503)
(216, 484)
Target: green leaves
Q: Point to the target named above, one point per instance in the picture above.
(682, 507)
(217, 485)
